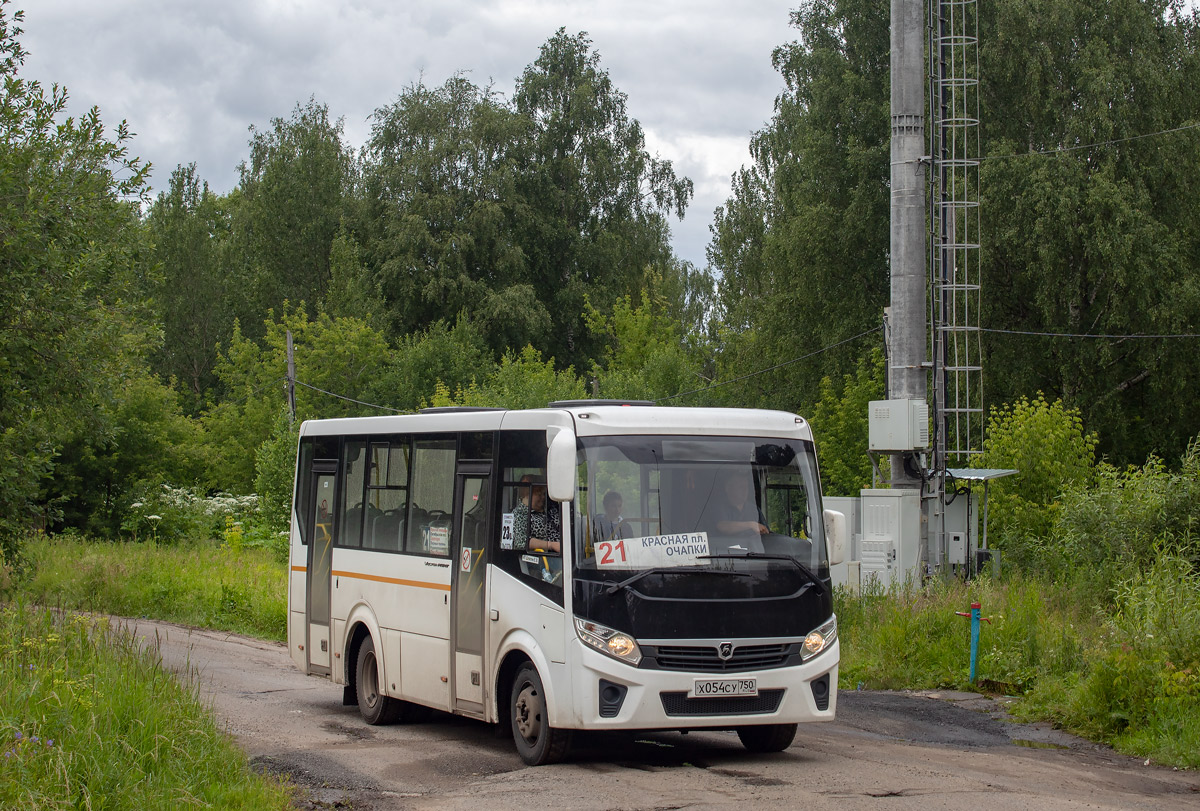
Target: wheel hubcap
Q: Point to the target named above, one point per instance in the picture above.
(370, 685)
(528, 713)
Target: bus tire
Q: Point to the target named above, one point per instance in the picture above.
(376, 708)
(537, 742)
(768, 737)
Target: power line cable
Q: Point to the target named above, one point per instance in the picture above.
(1087, 335)
(1111, 142)
(351, 399)
(256, 390)
(1064, 149)
(769, 368)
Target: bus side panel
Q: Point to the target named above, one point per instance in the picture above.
(425, 670)
(518, 625)
(296, 622)
(408, 596)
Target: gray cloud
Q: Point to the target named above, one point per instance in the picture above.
(190, 78)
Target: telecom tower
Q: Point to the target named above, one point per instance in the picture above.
(933, 323)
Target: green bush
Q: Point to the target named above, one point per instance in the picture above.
(1138, 687)
(1047, 444)
(1122, 522)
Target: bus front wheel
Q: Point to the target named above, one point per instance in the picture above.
(376, 708)
(767, 738)
(537, 742)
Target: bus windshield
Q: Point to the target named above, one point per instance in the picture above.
(653, 509)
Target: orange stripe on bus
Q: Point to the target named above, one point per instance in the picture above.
(299, 568)
(418, 583)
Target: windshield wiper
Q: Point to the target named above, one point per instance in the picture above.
(807, 572)
(629, 581)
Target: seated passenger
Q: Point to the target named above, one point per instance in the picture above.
(536, 528)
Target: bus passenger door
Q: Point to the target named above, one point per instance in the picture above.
(471, 522)
(320, 566)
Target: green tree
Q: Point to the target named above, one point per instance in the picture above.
(439, 199)
(594, 202)
(645, 357)
(802, 243)
(72, 258)
(521, 380)
(839, 423)
(454, 356)
(1094, 237)
(190, 228)
(147, 441)
(289, 210)
(336, 359)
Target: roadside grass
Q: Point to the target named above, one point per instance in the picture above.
(89, 719)
(1126, 674)
(204, 583)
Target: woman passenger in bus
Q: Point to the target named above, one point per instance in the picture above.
(534, 527)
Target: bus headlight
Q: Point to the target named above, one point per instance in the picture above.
(604, 639)
(819, 640)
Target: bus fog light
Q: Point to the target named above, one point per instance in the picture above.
(608, 641)
(819, 639)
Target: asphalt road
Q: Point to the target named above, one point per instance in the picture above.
(886, 751)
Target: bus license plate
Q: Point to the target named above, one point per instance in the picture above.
(717, 688)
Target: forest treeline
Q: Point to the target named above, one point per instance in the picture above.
(511, 246)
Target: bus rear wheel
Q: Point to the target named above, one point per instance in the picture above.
(537, 742)
(767, 738)
(376, 708)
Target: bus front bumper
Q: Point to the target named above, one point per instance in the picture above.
(615, 696)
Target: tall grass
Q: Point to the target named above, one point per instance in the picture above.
(88, 719)
(1126, 673)
(220, 586)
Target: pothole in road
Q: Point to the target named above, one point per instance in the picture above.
(1038, 744)
(358, 733)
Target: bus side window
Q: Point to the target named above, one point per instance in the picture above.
(352, 494)
(431, 496)
(387, 496)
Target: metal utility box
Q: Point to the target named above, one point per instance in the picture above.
(890, 549)
(962, 529)
(847, 573)
(897, 425)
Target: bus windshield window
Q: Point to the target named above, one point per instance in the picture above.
(678, 502)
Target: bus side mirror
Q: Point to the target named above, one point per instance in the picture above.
(835, 536)
(560, 467)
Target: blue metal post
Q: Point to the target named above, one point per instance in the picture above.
(974, 637)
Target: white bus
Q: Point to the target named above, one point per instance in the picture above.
(588, 566)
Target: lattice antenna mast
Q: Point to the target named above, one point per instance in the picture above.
(955, 223)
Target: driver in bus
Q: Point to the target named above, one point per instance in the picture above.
(534, 527)
(610, 524)
(739, 517)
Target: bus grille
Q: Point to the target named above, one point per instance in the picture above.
(704, 658)
(676, 704)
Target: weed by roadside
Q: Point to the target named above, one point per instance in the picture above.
(89, 719)
(230, 587)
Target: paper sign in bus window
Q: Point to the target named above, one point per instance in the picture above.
(506, 531)
(653, 551)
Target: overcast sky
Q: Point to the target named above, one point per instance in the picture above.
(191, 77)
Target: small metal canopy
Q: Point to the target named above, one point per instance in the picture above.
(985, 475)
